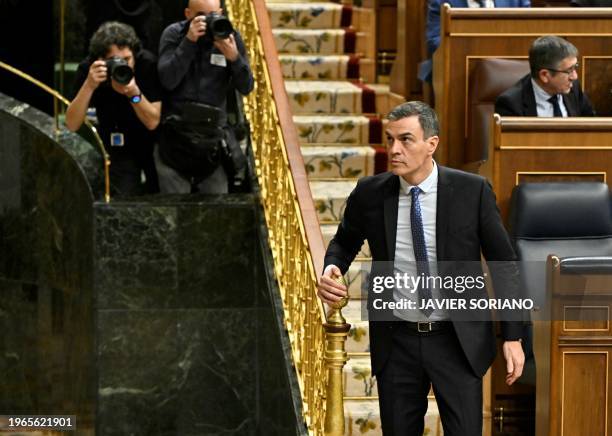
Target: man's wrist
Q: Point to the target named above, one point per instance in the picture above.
(136, 98)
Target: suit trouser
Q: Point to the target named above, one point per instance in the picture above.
(417, 361)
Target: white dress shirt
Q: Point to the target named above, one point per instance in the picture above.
(475, 4)
(543, 106)
(404, 252)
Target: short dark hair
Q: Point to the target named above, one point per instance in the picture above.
(548, 52)
(113, 32)
(428, 120)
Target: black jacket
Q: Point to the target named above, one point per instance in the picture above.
(467, 221)
(519, 101)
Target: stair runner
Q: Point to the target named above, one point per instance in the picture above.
(325, 49)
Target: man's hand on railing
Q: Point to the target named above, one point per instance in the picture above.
(330, 291)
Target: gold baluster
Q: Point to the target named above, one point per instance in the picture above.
(336, 331)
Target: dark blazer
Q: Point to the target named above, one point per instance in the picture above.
(467, 221)
(519, 101)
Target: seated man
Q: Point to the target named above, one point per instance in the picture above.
(552, 88)
(120, 81)
(432, 28)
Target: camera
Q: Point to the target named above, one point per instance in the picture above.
(218, 26)
(119, 70)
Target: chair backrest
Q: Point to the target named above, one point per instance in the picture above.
(569, 219)
(488, 80)
(565, 219)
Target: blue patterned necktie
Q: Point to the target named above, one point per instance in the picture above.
(556, 108)
(419, 247)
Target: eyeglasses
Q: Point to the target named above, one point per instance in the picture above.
(569, 71)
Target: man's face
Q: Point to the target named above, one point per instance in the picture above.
(124, 53)
(560, 81)
(410, 154)
(202, 7)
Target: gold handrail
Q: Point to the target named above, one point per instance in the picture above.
(294, 234)
(57, 96)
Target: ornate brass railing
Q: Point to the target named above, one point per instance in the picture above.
(294, 234)
(57, 97)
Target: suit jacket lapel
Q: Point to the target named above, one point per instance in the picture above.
(568, 101)
(529, 103)
(443, 211)
(391, 198)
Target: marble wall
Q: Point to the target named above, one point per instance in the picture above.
(187, 343)
(46, 268)
(146, 317)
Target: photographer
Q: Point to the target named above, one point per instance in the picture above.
(200, 60)
(121, 82)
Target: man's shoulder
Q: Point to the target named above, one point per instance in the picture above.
(516, 90)
(455, 176)
(174, 28)
(375, 182)
(510, 101)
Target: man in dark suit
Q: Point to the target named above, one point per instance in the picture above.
(422, 212)
(432, 28)
(552, 88)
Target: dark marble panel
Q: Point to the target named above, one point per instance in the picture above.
(136, 256)
(216, 263)
(138, 367)
(46, 352)
(87, 156)
(45, 265)
(56, 204)
(176, 372)
(18, 320)
(218, 393)
(276, 415)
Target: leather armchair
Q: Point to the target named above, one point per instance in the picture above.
(488, 80)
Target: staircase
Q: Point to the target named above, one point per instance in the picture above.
(327, 53)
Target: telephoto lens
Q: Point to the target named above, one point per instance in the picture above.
(119, 70)
(219, 25)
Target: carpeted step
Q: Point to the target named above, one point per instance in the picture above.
(330, 198)
(328, 162)
(363, 418)
(315, 41)
(348, 129)
(330, 97)
(309, 15)
(358, 380)
(358, 340)
(319, 67)
(331, 67)
(356, 279)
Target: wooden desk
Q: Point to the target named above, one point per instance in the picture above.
(573, 356)
(526, 149)
(470, 34)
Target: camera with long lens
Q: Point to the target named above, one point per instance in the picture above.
(119, 70)
(218, 26)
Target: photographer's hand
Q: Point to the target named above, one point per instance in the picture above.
(77, 109)
(97, 74)
(228, 47)
(197, 28)
(128, 90)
